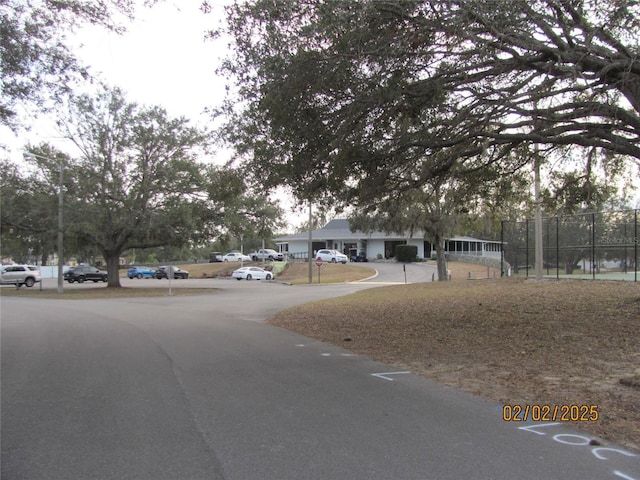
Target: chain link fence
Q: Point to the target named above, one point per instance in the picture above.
(590, 245)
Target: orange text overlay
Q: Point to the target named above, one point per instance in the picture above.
(550, 413)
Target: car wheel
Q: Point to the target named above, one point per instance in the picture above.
(248, 276)
(254, 258)
(333, 260)
(95, 281)
(139, 276)
(105, 278)
(70, 280)
(238, 279)
(269, 276)
(271, 258)
(29, 282)
(80, 279)
(225, 260)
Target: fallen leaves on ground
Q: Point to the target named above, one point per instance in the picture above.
(511, 341)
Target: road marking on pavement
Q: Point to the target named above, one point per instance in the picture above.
(582, 441)
(384, 375)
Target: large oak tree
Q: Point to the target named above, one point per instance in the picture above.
(138, 181)
(359, 99)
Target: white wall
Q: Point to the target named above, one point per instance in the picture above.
(373, 246)
(51, 271)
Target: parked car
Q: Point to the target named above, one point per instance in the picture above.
(249, 273)
(163, 272)
(361, 257)
(332, 256)
(236, 257)
(19, 275)
(266, 254)
(215, 257)
(85, 272)
(141, 272)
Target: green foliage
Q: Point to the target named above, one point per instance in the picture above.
(406, 253)
(137, 184)
(345, 99)
(28, 208)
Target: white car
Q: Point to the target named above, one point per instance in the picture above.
(236, 257)
(249, 273)
(19, 275)
(332, 256)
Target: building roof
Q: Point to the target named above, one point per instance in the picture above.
(338, 229)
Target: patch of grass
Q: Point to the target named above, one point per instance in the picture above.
(298, 273)
(216, 269)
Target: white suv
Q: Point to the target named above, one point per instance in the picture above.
(332, 256)
(19, 275)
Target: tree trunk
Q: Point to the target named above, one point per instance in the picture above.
(113, 262)
(441, 261)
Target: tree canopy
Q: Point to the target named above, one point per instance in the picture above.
(139, 181)
(35, 60)
(362, 98)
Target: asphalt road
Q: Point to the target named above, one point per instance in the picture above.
(201, 388)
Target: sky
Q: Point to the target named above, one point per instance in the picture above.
(163, 59)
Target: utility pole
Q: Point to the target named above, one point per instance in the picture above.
(29, 155)
(538, 219)
(310, 246)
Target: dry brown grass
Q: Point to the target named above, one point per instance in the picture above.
(298, 273)
(511, 341)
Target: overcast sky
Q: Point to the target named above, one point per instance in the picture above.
(163, 59)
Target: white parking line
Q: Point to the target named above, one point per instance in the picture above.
(385, 377)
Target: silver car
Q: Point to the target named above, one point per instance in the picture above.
(236, 257)
(332, 256)
(20, 275)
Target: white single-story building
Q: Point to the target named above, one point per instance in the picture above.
(338, 236)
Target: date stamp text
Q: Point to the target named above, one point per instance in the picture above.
(550, 413)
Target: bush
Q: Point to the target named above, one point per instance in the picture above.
(406, 253)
